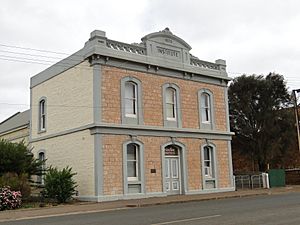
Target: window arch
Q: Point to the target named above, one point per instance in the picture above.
(133, 167)
(42, 114)
(131, 101)
(206, 109)
(171, 105)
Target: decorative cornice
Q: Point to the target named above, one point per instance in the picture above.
(122, 129)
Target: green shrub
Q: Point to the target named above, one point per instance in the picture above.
(18, 158)
(16, 183)
(59, 184)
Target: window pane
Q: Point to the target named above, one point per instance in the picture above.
(129, 90)
(131, 169)
(42, 107)
(41, 156)
(207, 115)
(170, 111)
(43, 125)
(206, 100)
(170, 95)
(129, 106)
(208, 162)
(131, 152)
(206, 153)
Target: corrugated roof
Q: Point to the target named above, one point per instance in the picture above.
(17, 120)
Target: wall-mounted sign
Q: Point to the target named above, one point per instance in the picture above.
(171, 151)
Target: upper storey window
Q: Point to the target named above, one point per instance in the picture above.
(42, 114)
(131, 101)
(171, 105)
(206, 109)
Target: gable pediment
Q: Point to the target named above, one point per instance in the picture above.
(164, 44)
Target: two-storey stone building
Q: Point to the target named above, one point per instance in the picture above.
(135, 120)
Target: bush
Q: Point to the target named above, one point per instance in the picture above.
(18, 158)
(59, 184)
(9, 199)
(16, 183)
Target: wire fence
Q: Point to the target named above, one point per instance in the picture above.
(252, 181)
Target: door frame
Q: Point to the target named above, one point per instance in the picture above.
(182, 164)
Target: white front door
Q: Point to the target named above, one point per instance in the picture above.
(172, 175)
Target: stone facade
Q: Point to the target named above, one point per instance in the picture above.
(79, 117)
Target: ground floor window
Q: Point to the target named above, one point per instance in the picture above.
(209, 167)
(133, 168)
(132, 162)
(40, 178)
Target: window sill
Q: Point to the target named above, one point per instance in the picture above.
(134, 182)
(209, 179)
(171, 119)
(131, 116)
(41, 131)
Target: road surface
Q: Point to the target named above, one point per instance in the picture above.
(266, 210)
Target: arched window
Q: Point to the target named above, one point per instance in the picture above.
(131, 101)
(208, 162)
(171, 104)
(42, 115)
(133, 168)
(206, 109)
(209, 166)
(133, 164)
(40, 178)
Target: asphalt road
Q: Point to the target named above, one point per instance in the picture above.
(266, 210)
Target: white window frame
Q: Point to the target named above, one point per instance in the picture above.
(173, 104)
(176, 119)
(133, 99)
(135, 118)
(130, 184)
(208, 170)
(205, 108)
(137, 163)
(42, 115)
(40, 178)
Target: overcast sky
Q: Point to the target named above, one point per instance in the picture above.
(253, 36)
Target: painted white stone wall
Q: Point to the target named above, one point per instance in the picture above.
(69, 98)
(75, 150)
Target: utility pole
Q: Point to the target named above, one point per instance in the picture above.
(297, 116)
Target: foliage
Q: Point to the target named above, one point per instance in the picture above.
(16, 183)
(9, 199)
(260, 118)
(18, 158)
(59, 184)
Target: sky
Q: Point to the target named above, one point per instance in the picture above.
(253, 36)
